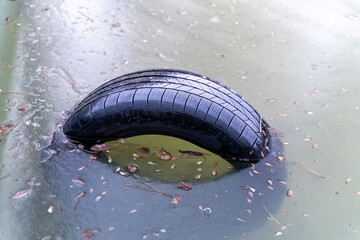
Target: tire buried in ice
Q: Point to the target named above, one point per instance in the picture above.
(175, 103)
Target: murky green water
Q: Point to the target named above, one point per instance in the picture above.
(296, 63)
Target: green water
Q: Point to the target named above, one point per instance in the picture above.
(295, 62)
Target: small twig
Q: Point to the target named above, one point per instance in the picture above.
(5, 176)
(144, 189)
(20, 93)
(146, 183)
(66, 76)
(307, 169)
(86, 16)
(271, 216)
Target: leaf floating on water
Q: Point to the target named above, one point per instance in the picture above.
(100, 147)
(137, 156)
(100, 196)
(123, 173)
(347, 180)
(278, 234)
(185, 186)
(133, 168)
(144, 150)
(78, 181)
(21, 194)
(197, 177)
(164, 155)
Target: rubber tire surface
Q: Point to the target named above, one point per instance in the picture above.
(170, 102)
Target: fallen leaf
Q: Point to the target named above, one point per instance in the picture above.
(23, 107)
(133, 168)
(214, 173)
(78, 181)
(21, 194)
(132, 211)
(100, 147)
(176, 200)
(185, 186)
(144, 150)
(137, 156)
(100, 196)
(290, 193)
(111, 229)
(281, 181)
(164, 155)
(78, 197)
(198, 176)
(249, 211)
(348, 180)
(50, 209)
(308, 138)
(87, 234)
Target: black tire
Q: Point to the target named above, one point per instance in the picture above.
(170, 102)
